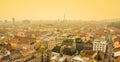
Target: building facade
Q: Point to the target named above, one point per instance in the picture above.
(53, 42)
(99, 46)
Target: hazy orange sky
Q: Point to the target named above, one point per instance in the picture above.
(54, 9)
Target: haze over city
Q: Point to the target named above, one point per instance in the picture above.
(59, 30)
(55, 9)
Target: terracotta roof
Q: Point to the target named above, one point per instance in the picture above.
(14, 41)
(116, 49)
(27, 52)
(90, 52)
(116, 59)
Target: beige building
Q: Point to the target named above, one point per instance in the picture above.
(53, 42)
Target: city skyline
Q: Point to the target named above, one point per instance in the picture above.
(55, 9)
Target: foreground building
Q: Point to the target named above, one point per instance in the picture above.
(77, 59)
(99, 46)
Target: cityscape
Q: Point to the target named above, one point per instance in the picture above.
(60, 41)
(59, 30)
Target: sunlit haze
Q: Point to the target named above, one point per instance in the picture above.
(55, 9)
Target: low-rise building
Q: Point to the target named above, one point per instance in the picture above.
(116, 52)
(77, 59)
(88, 45)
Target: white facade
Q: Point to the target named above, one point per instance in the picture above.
(116, 54)
(77, 59)
(56, 57)
(99, 46)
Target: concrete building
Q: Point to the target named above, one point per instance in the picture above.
(116, 52)
(53, 42)
(77, 59)
(58, 58)
(99, 46)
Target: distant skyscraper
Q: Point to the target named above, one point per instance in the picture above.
(13, 20)
(6, 21)
(64, 20)
(64, 17)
